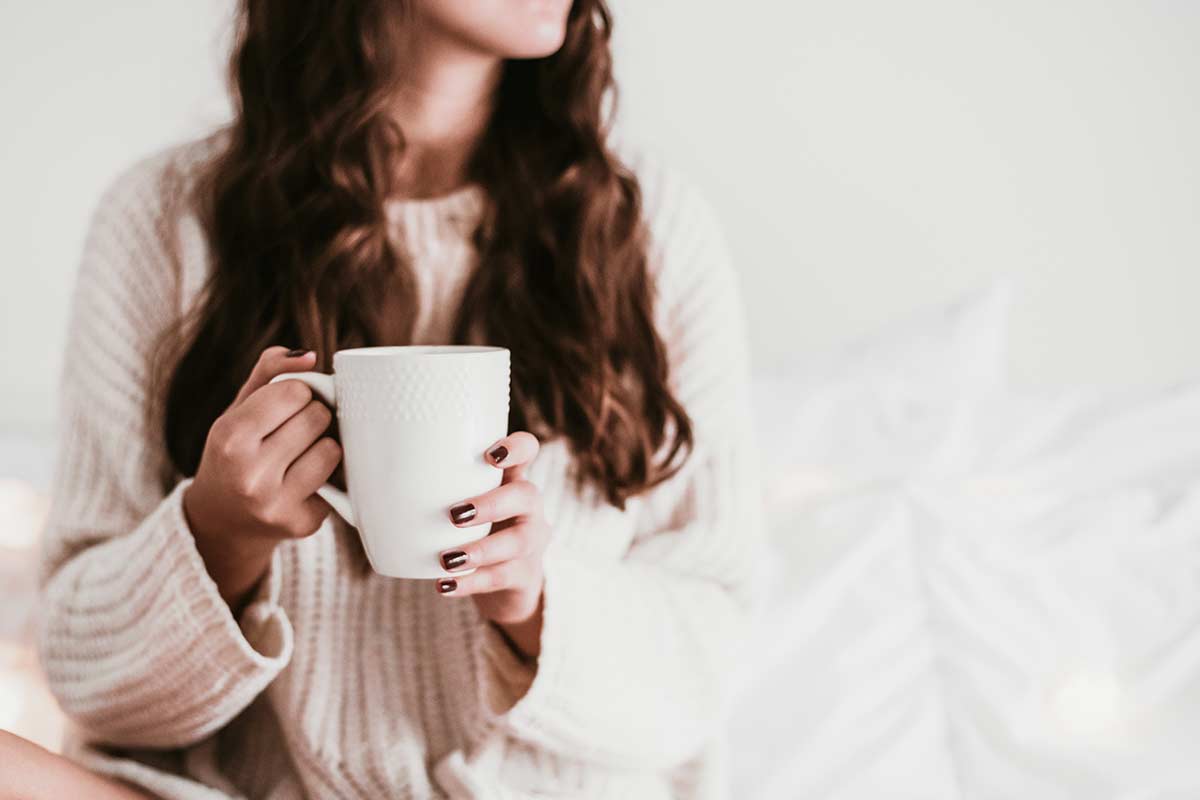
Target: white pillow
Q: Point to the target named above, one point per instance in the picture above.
(1064, 576)
(840, 697)
(903, 401)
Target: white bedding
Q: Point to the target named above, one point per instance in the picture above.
(980, 593)
(1064, 582)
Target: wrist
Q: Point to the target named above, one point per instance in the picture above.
(525, 636)
(235, 563)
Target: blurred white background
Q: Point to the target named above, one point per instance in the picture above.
(867, 158)
(984, 597)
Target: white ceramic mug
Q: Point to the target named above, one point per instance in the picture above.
(414, 422)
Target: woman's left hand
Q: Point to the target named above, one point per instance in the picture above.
(507, 582)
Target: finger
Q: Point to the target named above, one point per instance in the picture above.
(312, 513)
(275, 361)
(513, 453)
(518, 499)
(516, 542)
(496, 578)
(314, 466)
(295, 435)
(270, 407)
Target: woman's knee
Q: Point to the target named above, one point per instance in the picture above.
(20, 762)
(30, 772)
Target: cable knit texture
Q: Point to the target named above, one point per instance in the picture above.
(336, 684)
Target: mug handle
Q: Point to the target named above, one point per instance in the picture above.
(324, 388)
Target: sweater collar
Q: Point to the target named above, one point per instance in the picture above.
(431, 222)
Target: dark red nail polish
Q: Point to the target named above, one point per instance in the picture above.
(455, 559)
(499, 453)
(463, 512)
(296, 353)
(447, 585)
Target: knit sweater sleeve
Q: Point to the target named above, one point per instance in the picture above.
(636, 655)
(137, 644)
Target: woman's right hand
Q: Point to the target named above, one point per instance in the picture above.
(263, 461)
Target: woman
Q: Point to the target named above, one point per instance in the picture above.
(401, 172)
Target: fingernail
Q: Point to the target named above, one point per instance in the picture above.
(296, 353)
(463, 512)
(447, 585)
(499, 453)
(455, 559)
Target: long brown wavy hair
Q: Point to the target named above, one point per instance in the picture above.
(295, 210)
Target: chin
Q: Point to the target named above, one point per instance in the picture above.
(536, 43)
(503, 28)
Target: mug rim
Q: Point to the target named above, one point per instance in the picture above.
(418, 350)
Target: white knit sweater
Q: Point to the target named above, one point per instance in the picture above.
(339, 684)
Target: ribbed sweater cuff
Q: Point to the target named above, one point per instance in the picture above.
(259, 643)
(532, 702)
(148, 652)
(633, 665)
